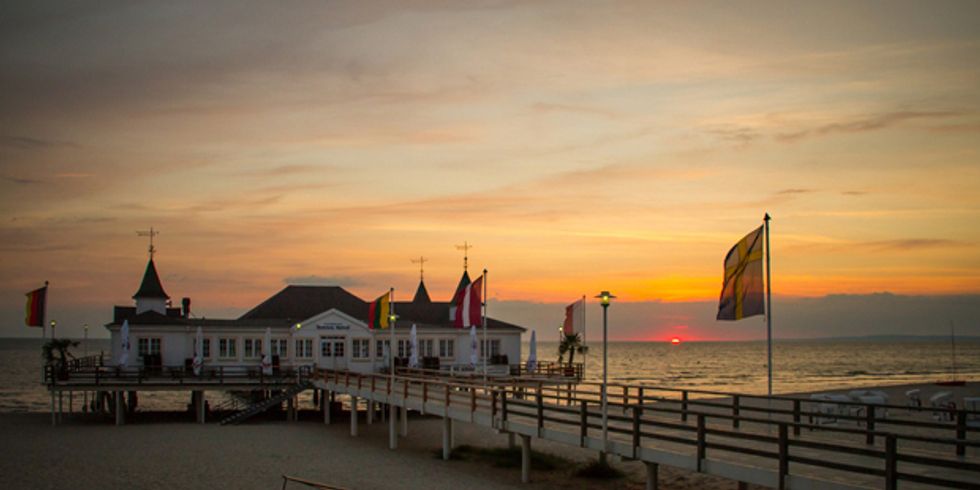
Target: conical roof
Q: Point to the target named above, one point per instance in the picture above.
(151, 287)
(463, 282)
(421, 294)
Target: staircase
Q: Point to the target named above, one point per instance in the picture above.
(261, 406)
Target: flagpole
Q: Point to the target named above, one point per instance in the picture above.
(768, 304)
(44, 315)
(585, 337)
(486, 347)
(392, 435)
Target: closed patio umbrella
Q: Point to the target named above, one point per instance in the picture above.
(413, 357)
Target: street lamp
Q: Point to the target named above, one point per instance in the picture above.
(392, 434)
(604, 297)
(53, 324)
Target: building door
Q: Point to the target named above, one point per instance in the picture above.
(333, 353)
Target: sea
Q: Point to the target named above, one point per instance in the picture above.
(799, 366)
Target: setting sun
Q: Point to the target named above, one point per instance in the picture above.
(675, 341)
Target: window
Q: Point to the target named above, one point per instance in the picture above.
(338, 348)
(325, 348)
(360, 348)
(379, 351)
(425, 348)
(447, 348)
(304, 348)
(280, 348)
(404, 348)
(206, 348)
(494, 348)
(253, 348)
(146, 346)
(228, 348)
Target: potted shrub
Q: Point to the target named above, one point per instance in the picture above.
(55, 354)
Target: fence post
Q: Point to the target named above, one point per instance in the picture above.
(796, 417)
(684, 407)
(584, 427)
(735, 409)
(891, 462)
(783, 455)
(639, 397)
(960, 432)
(870, 423)
(701, 444)
(493, 405)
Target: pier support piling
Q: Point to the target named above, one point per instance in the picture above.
(370, 411)
(199, 406)
(120, 408)
(325, 406)
(404, 421)
(54, 416)
(652, 476)
(511, 443)
(525, 458)
(290, 409)
(392, 431)
(353, 416)
(447, 428)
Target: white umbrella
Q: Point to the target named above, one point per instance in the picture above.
(198, 352)
(387, 354)
(124, 344)
(532, 357)
(267, 352)
(413, 357)
(474, 347)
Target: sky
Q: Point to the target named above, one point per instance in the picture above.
(579, 146)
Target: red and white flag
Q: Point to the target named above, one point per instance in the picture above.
(468, 303)
(574, 318)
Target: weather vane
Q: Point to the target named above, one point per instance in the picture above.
(152, 233)
(421, 262)
(465, 247)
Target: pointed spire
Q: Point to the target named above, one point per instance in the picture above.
(421, 294)
(151, 287)
(463, 282)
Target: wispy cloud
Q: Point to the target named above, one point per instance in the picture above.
(31, 143)
(22, 181)
(865, 123)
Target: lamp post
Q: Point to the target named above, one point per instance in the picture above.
(392, 433)
(604, 298)
(85, 347)
(53, 324)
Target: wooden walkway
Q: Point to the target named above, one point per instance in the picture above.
(777, 442)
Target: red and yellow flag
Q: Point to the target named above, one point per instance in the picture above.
(379, 312)
(34, 314)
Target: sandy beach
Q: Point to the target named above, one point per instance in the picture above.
(90, 454)
(168, 451)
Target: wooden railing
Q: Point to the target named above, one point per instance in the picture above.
(545, 370)
(101, 375)
(771, 428)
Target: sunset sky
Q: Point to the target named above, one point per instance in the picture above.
(580, 146)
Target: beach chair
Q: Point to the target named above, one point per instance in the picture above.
(943, 402)
(913, 399)
(827, 410)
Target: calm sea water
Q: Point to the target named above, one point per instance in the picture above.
(799, 366)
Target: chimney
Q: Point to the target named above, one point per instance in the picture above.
(186, 303)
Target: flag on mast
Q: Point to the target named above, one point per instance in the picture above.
(379, 311)
(574, 318)
(468, 305)
(742, 291)
(36, 303)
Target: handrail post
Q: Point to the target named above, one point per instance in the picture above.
(636, 431)
(891, 462)
(472, 400)
(639, 396)
(783, 455)
(684, 406)
(960, 432)
(503, 406)
(447, 397)
(796, 417)
(540, 411)
(870, 423)
(425, 392)
(584, 424)
(701, 443)
(493, 405)
(735, 408)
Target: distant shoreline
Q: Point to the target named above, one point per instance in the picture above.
(864, 338)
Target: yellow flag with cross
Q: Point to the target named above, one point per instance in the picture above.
(742, 292)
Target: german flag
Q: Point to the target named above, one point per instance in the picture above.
(34, 314)
(379, 311)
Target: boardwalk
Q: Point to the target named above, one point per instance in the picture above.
(777, 442)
